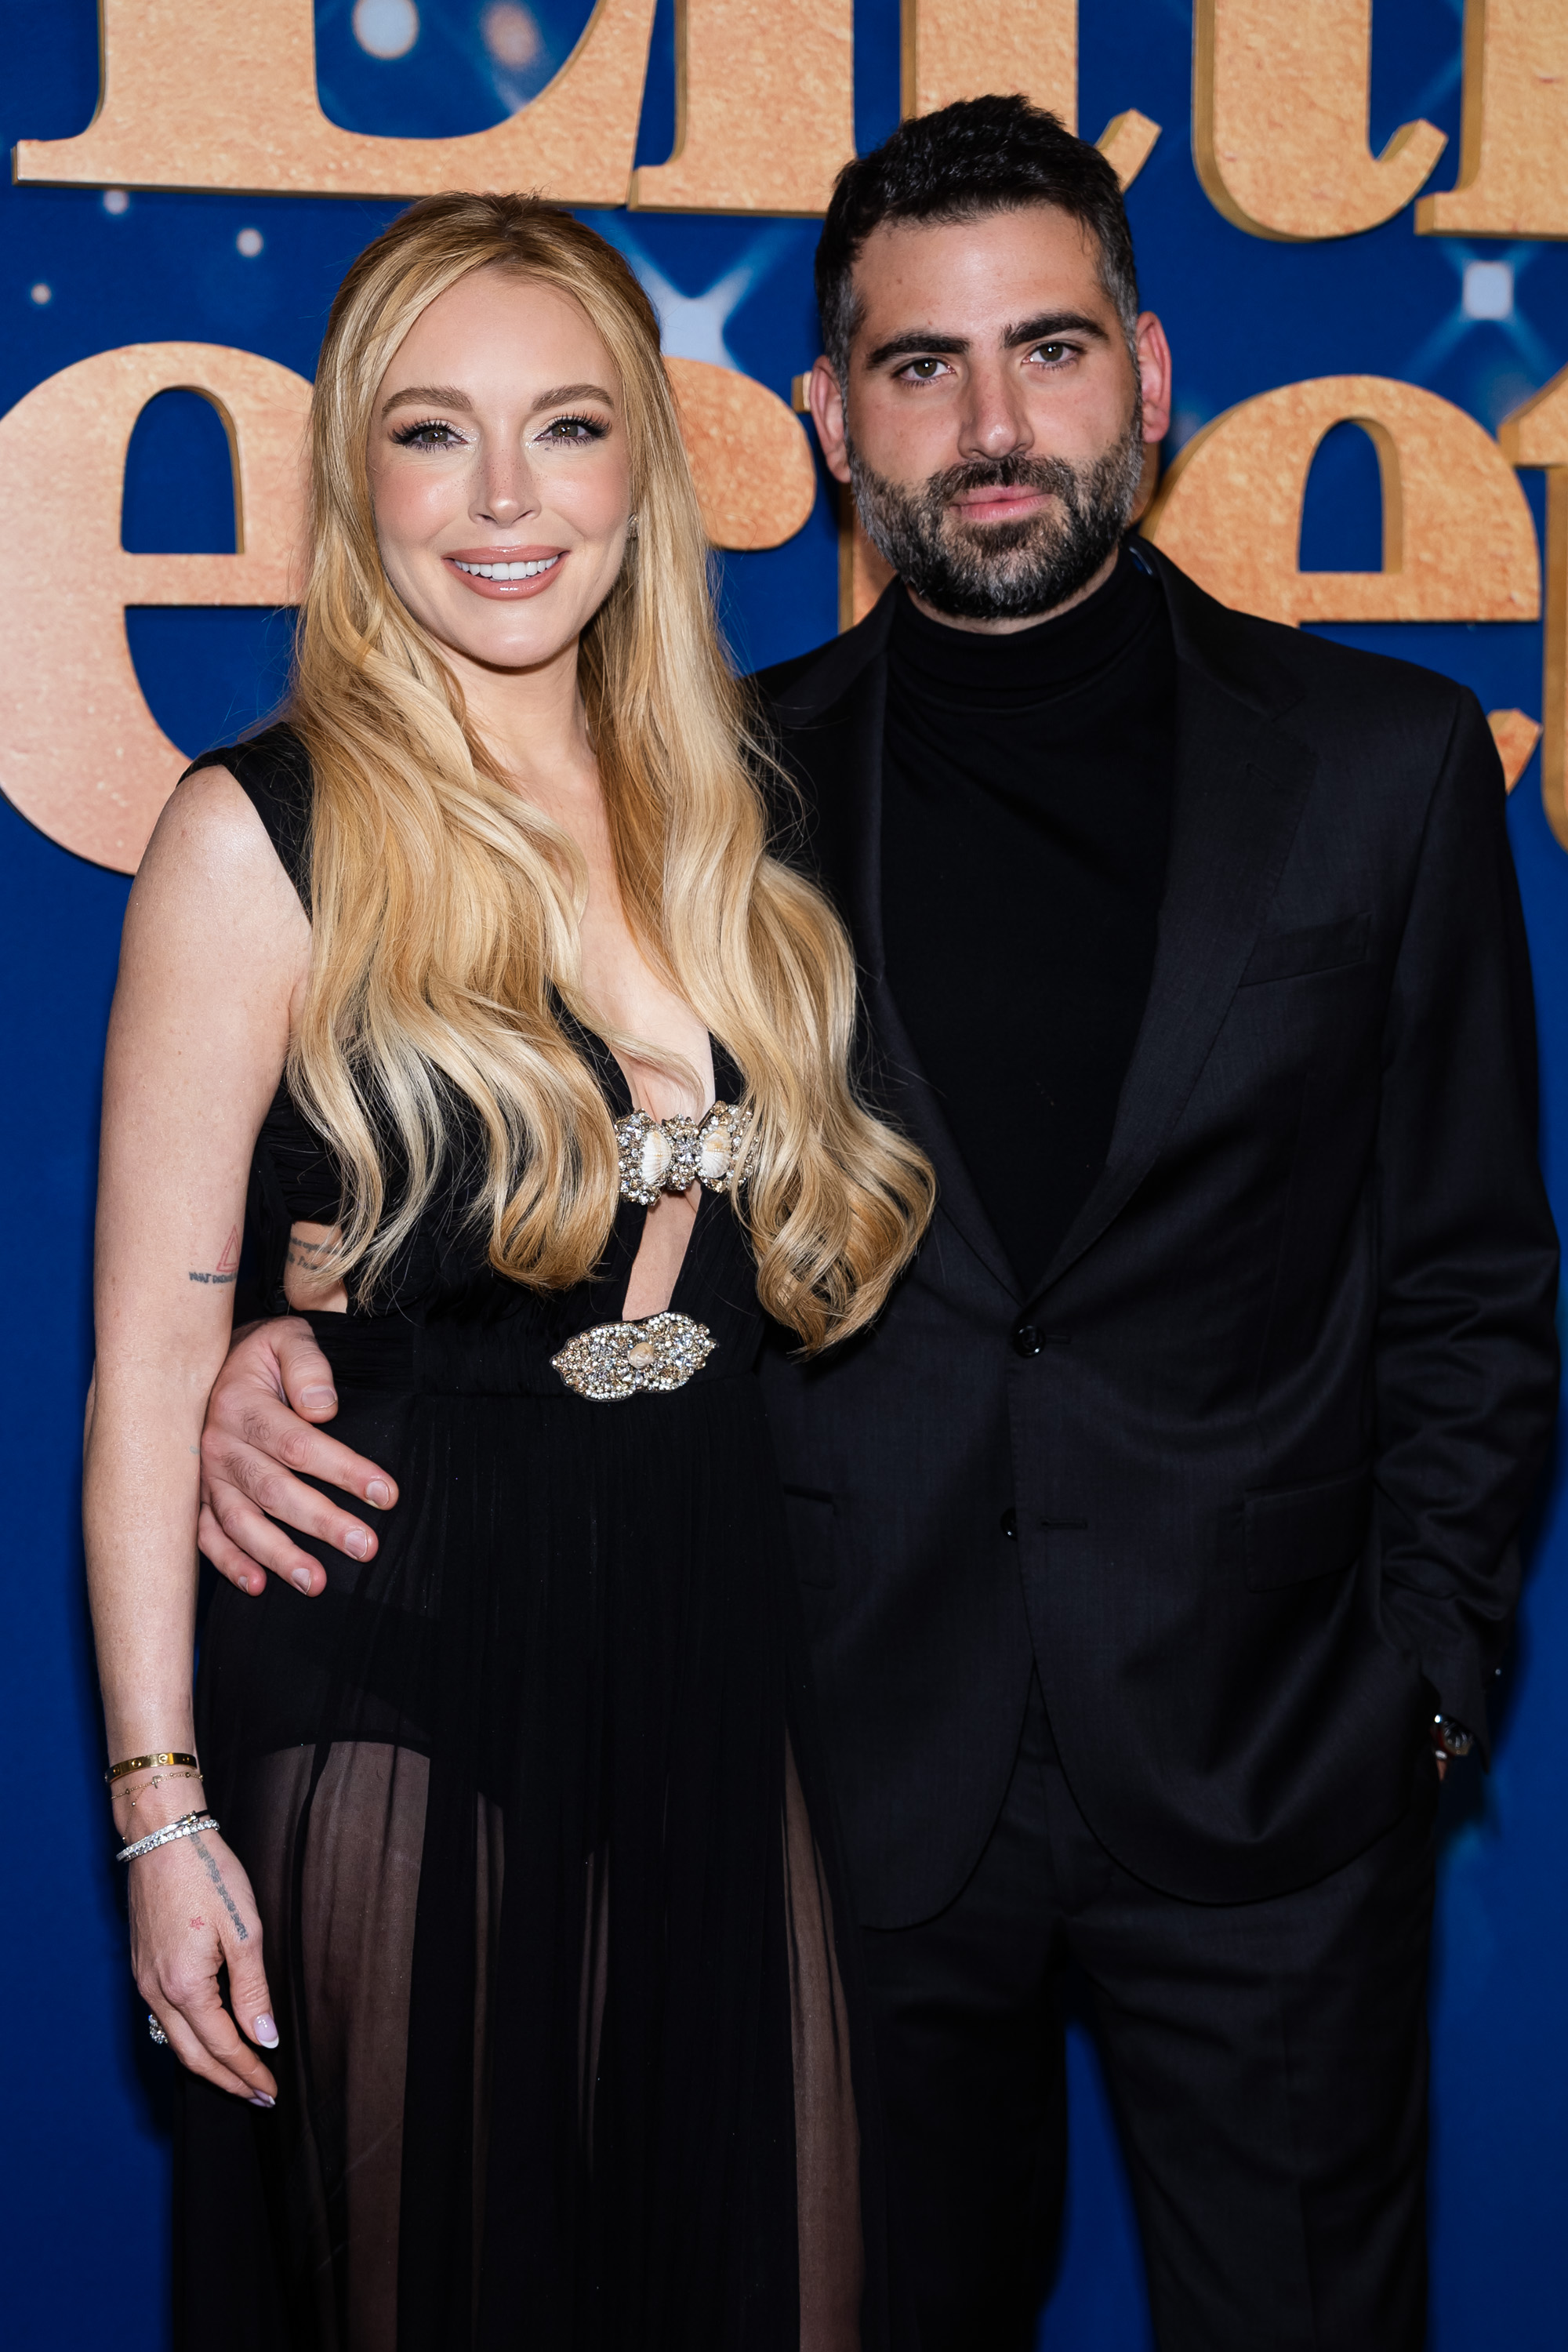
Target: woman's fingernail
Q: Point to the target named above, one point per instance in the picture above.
(356, 1543)
(300, 1580)
(260, 2099)
(266, 2033)
(378, 1492)
(318, 1396)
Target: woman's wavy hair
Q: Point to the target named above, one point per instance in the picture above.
(445, 910)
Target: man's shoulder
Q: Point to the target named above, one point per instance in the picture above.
(1320, 686)
(795, 692)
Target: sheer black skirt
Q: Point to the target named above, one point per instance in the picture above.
(531, 1805)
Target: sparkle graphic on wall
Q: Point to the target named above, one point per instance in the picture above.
(692, 326)
(385, 28)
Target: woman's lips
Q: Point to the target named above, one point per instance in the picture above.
(507, 572)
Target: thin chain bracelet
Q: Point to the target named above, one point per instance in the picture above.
(156, 1782)
(188, 1827)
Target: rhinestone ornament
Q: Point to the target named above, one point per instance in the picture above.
(671, 1155)
(624, 1360)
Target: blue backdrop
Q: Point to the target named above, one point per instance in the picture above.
(85, 2146)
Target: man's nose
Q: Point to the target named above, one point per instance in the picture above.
(994, 420)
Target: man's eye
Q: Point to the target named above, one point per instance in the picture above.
(923, 371)
(1055, 353)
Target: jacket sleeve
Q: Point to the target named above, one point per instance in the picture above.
(1466, 1350)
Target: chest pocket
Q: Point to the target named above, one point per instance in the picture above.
(1323, 947)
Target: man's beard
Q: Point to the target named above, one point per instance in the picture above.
(1003, 570)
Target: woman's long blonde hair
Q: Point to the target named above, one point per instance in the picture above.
(445, 910)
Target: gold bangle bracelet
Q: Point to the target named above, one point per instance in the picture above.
(145, 1763)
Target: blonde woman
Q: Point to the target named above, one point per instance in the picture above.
(511, 1990)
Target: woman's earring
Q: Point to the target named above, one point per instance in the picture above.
(631, 526)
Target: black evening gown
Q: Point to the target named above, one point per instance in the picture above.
(534, 1808)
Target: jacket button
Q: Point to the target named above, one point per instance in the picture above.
(1010, 1522)
(1026, 1340)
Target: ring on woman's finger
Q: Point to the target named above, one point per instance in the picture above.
(156, 2032)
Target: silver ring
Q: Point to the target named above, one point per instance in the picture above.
(156, 2031)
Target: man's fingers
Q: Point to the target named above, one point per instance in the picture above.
(306, 1376)
(255, 1547)
(246, 1444)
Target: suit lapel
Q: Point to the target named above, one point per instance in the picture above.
(1240, 787)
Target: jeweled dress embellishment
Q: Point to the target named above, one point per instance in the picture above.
(671, 1155)
(621, 1359)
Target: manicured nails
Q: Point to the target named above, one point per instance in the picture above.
(378, 1492)
(300, 1580)
(266, 2033)
(356, 1543)
(314, 1399)
(260, 2099)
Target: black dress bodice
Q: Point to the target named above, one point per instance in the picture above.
(533, 1809)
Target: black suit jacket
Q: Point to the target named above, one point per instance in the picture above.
(1242, 1474)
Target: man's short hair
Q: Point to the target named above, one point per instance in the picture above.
(981, 155)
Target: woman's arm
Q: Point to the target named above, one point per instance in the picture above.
(214, 951)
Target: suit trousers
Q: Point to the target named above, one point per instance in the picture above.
(1266, 2062)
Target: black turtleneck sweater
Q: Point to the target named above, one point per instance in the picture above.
(1027, 796)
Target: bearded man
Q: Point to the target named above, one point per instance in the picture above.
(1160, 1540)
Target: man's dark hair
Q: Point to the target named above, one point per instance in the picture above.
(981, 155)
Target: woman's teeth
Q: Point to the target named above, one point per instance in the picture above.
(507, 571)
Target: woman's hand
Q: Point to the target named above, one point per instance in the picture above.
(192, 1913)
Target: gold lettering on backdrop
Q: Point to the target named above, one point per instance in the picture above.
(1281, 102)
(1516, 735)
(764, 108)
(1458, 540)
(963, 48)
(756, 479)
(1537, 434)
(1513, 134)
(82, 755)
(222, 94)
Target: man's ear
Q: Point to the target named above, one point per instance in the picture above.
(1154, 375)
(826, 402)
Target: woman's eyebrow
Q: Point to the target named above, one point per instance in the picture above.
(426, 395)
(564, 392)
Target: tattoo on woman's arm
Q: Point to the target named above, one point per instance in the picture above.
(228, 1267)
(224, 1896)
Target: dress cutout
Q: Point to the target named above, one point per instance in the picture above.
(572, 2054)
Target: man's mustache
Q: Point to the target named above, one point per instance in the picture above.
(1049, 477)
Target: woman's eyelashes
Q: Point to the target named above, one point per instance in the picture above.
(434, 432)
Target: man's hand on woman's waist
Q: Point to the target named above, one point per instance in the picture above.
(260, 1442)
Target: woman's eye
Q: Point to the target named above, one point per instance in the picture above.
(574, 428)
(429, 436)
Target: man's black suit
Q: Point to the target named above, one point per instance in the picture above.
(1236, 1486)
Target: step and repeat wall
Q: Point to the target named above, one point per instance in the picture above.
(1348, 215)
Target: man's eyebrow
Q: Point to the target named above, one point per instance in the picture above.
(904, 347)
(1054, 322)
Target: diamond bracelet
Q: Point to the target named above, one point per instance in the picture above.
(186, 1826)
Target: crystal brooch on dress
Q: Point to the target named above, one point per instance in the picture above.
(623, 1359)
(671, 1155)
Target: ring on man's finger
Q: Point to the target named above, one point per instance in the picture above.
(155, 2032)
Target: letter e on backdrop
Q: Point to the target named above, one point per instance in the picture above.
(1458, 540)
(81, 754)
